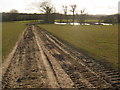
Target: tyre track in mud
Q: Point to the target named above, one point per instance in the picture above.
(30, 66)
(43, 61)
(84, 71)
(24, 68)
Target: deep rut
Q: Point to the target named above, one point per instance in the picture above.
(43, 61)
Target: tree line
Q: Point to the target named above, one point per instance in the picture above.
(61, 18)
(50, 15)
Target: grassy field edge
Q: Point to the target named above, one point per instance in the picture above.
(110, 42)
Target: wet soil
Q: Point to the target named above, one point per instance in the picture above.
(40, 60)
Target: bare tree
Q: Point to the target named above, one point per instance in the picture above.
(13, 15)
(82, 16)
(13, 11)
(73, 8)
(65, 9)
(47, 9)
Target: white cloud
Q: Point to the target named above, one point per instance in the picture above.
(119, 7)
(92, 6)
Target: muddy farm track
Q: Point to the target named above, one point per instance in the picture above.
(40, 60)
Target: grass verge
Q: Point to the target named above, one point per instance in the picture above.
(10, 34)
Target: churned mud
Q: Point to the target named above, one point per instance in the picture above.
(40, 60)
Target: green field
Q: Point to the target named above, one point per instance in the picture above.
(99, 41)
(10, 34)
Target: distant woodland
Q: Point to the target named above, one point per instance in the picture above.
(56, 16)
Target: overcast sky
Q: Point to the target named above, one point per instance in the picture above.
(32, 6)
